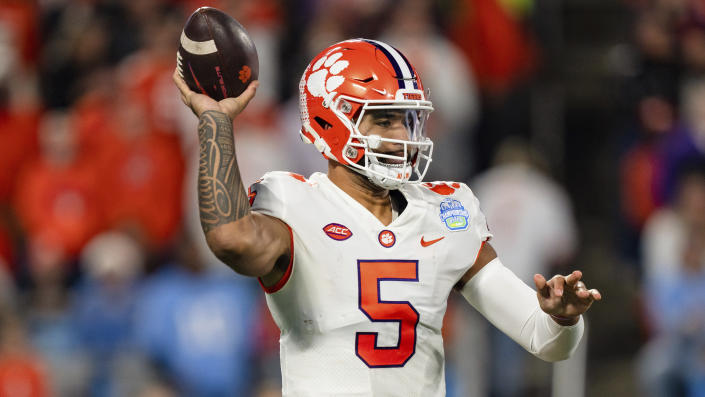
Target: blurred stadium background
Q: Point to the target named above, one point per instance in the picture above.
(580, 124)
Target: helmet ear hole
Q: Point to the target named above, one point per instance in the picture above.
(324, 124)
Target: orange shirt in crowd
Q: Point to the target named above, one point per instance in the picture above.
(91, 116)
(20, 16)
(638, 176)
(18, 144)
(21, 375)
(149, 81)
(141, 168)
(7, 250)
(142, 179)
(60, 205)
(500, 50)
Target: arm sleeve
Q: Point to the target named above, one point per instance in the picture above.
(513, 307)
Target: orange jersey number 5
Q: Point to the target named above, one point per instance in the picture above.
(370, 274)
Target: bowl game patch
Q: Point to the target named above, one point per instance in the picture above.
(454, 215)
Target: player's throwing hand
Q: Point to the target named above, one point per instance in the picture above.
(565, 298)
(200, 103)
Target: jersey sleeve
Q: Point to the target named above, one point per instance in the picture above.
(477, 221)
(457, 215)
(268, 196)
(272, 195)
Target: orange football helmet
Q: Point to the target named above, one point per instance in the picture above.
(350, 78)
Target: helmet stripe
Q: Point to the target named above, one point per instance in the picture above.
(411, 69)
(401, 67)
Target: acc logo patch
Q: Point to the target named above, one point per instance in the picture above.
(387, 238)
(337, 231)
(454, 215)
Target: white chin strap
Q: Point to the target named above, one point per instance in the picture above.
(386, 175)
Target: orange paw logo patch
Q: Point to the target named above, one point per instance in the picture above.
(442, 188)
(298, 177)
(387, 238)
(245, 74)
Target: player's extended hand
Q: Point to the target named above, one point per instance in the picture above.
(200, 103)
(565, 298)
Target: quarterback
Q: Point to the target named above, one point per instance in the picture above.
(358, 263)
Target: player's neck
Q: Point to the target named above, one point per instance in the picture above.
(357, 186)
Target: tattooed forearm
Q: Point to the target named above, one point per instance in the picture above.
(221, 195)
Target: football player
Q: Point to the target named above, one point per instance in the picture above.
(357, 263)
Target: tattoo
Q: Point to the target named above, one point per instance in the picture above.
(221, 195)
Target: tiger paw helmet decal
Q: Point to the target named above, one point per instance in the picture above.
(324, 81)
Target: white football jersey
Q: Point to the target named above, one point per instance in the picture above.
(362, 305)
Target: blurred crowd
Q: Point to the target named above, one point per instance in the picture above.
(662, 182)
(107, 287)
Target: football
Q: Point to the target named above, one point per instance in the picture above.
(216, 56)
